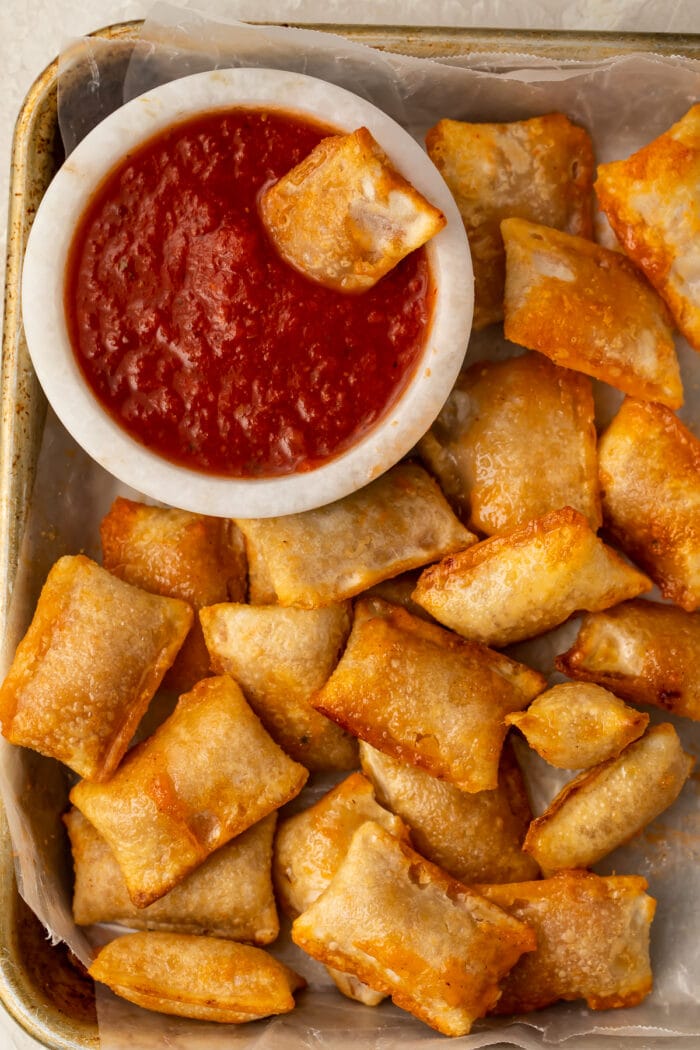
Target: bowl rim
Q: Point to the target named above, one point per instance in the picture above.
(49, 343)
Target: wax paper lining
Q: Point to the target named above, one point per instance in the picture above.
(624, 103)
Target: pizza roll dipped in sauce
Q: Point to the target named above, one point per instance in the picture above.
(88, 666)
(181, 555)
(310, 847)
(281, 657)
(344, 216)
(425, 696)
(229, 895)
(650, 200)
(592, 941)
(644, 651)
(605, 806)
(588, 308)
(475, 837)
(208, 773)
(512, 587)
(398, 522)
(207, 978)
(409, 930)
(496, 434)
(539, 169)
(576, 726)
(650, 483)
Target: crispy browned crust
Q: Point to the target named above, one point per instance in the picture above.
(420, 694)
(431, 981)
(610, 821)
(491, 446)
(554, 187)
(87, 668)
(656, 234)
(650, 484)
(325, 223)
(593, 941)
(664, 671)
(178, 555)
(589, 308)
(201, 977)
(512, 587)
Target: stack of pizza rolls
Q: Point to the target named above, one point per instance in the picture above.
(365, 641)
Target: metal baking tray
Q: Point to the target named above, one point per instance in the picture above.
(40, 985)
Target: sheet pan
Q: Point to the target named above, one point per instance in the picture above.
(39, 984)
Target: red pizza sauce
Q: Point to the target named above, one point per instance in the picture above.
(194, 334)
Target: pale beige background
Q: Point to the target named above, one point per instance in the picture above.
(33, 31)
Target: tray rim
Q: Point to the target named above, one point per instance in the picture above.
(20, 431)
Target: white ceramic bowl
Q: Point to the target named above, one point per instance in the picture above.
(52, 355)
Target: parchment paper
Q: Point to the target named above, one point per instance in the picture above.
(624, 103)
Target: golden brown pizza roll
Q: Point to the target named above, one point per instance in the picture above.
(491, 446)
(310, 847)
(592, 941)
(650, 482)
(344, 216)
(475, 837)
(208, 772)
(512, 587)
(88, 666)
(651, 202)
(588, 308)
(202, 977)
(180, 555)
(406, 928)
(576, 725)
(281, 657)
(605, 806)
(644, 651)
(399, 591)
(425, 696)
(229, 895)
(398, 522)
(540, 169)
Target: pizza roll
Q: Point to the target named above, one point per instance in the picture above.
(310, 847)
(588, 308)
(399, 591)
(208, 772)
(650, 200)
(406, 928)
(605, 806)
(576, 726)
(202, 977)
(592, 941)
(540, 169)
(475, 837)
(398, 522)
(281, 657)
(496, 433)
(180, 555)
(424, 696)
(344, 217)
(229, 895)
(512, 587)
(650, 482)
(88, 666)
(644, 651)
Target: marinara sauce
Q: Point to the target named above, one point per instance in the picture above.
(195, 335)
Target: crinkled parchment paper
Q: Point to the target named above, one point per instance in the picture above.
(624, 103)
